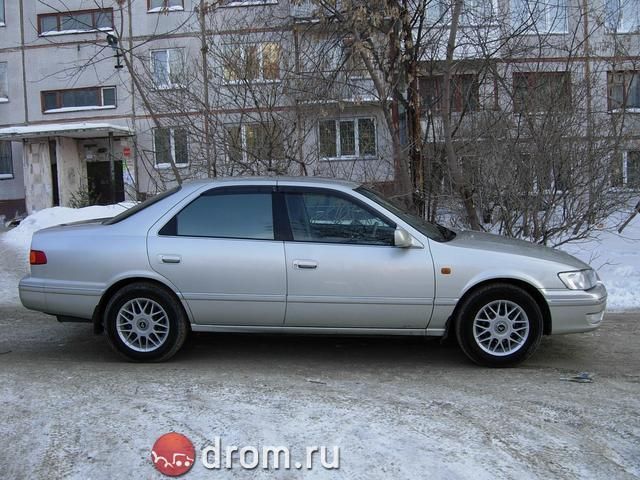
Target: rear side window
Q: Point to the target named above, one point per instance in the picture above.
(227, 215)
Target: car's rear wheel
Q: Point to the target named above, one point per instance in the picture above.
(499, 325)
(145, 323)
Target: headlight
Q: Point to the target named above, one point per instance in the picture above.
(580, 279)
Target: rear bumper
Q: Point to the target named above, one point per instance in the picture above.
(575, 311)
(80, 303)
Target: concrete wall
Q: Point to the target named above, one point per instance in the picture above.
(72, 170)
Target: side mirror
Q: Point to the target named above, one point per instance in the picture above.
(402, 238)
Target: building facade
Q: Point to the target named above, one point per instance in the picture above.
(106, 100)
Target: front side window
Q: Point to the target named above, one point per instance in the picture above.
(623, 16)
(541, 91)
(167, 68)
(331, 218)
(55, 101)
(4, 82)
(6, 160)
(160, 5)
(170, 144)
(2, 13)
(225, 215)
(76, 21)
(352, 138)
(624, 89)
(254, 141)
(539, 16)
(252, 62)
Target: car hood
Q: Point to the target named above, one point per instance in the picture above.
(499, 244)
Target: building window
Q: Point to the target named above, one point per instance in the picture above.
(167, 68)
(623, 16)
(354, 138)
(474, 12)
(624, 90)
(259, 62)
(254, 141)
(75, 22)
(170, 144)
(540, 16)
(631, 169)
(541, 91)
(4, 83)
(6, 160)
(2, 21)
(465, 93)
(94, 98)
(164, 5)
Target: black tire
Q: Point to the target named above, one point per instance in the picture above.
(473, 305)
(178, 325)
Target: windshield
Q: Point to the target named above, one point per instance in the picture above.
(140, 206)
(431, 230)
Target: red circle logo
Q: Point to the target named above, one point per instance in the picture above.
(173, 454)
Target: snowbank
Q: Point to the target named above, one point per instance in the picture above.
(617, 260)
(20, 237)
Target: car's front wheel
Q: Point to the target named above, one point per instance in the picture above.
(499, 325)
(145, 323)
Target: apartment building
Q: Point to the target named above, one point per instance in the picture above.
(120, 98)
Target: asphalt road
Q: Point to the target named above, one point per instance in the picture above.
(397, 408)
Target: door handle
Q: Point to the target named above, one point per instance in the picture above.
(305, 264)
(170, 258)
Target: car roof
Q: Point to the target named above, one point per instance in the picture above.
(275, 180)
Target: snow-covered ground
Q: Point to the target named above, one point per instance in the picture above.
(615, 256)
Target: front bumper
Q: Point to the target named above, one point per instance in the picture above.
(575, 311)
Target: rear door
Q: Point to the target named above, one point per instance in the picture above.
(220, 252)
(343, 269)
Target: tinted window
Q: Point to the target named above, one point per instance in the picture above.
(232, 215)
(325, 217)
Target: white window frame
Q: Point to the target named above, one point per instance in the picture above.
(249, 3)
(547, 23)
(625, 168)
(439, 11)
(172, 149)
(8, 176)
(4, 82)
(170, 85)
(243, 56)
(163, 9)
(617, 22)
(356, 133)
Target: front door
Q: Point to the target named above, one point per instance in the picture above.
(343, 269)
(220, 252)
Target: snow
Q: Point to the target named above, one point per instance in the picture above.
(61, 128)
(79, 109)
(20, 237)
(615, 256)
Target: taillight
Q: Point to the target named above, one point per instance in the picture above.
(36, 257)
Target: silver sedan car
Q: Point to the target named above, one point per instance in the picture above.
(308, 256)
